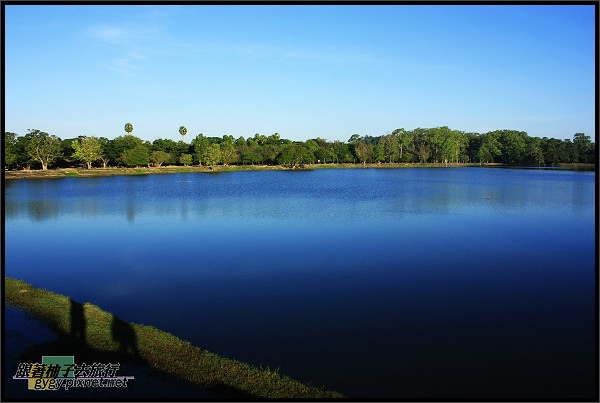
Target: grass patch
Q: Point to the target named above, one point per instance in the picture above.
(160, 350)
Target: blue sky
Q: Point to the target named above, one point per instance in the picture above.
(301, 71)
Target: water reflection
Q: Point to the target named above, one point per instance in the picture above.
(130, 210)
(310, 197)
(405, 268)
(130, 195)
(184, 210)
(40, 210)
(580, 197)
(88, 207)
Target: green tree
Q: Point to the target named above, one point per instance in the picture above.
(304, 154)
(406, 144)
(181, 148)
(128, 128)
(185, 159)
(378, 153)
(581, 147)
(472, 145)
(389, 144)
(287, 155)
(171, 147)
(251, 152)
(513, 146)
(201, 145)
(183, 132)
(270, 151)
(312, 147)
(592, 154)
(452, 145)
(159, 157)
(421, 144)
(294, 154)
(43, 147)
(363, 151)
(341, 152)
(106, 146)
(260, 139)
(87, 149)
(122, 144)
(274, 139)
(137, 156)
(65, 157)
(566, 151)
(24, 160)
(354, 138)
(213, 155)
(228, 153)
(490, 147)
(424, 152)
(534, 151)
(10, 151)
(127, 142)
(324, 153)
(435, 139)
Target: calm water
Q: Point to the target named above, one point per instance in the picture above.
(406, 283)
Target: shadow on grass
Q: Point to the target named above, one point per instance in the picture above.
(148, 381)
(77, 321)
(124, 334)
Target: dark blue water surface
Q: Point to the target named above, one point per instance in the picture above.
(404, 283)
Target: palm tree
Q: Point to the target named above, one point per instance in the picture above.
(182, 131)
(128, 127)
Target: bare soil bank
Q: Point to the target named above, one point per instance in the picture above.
(80, 172)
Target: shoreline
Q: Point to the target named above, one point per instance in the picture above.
(107, 335)
(97, 172)
(28, 338)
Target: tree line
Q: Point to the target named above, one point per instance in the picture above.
(38, 149)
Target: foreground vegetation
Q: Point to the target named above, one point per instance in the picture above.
(439, 145)
(160, 350)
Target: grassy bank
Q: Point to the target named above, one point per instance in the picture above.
(160, 350)
(80, 172)
(86, 173)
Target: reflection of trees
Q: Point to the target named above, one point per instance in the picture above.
(130, 209)
(12, 209)
(130, 201)
(88, 207)
(184, 209)
(404, 192)
(580, 196)
(40, 210)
